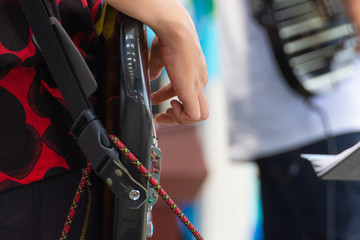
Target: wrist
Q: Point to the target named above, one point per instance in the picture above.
(174, 24)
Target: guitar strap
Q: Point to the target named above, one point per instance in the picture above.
(76, 84)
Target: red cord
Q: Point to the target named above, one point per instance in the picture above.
(134, 161)
(75, 203)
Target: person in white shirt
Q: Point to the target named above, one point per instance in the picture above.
(271, 124)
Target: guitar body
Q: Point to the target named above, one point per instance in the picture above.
(127, 112)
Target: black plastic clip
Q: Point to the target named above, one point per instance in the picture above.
(96, 145)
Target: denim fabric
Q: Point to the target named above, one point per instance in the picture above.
(299, 206)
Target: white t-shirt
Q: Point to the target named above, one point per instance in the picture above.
(266, 116)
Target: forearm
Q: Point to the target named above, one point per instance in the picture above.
(160, 15)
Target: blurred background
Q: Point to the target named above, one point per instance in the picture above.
(219, 196)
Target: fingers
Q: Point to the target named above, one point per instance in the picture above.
(177, 113)
(164, 119)
(155, 63)
(185, 65)
(192, 106)
(204, 107)
(163, 94)
(199, 111)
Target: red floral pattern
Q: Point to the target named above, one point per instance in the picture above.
(34, 123)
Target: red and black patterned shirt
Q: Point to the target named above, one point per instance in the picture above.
(35, 142)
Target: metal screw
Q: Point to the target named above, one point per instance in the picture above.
(155, 196)
(109, 181)
(134, 195)
(118, 172)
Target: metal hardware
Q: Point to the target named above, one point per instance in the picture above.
(155, 173)
(134, 195)
(109, 181)
(149, 229)
(118, 172)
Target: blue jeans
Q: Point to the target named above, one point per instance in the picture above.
(299, 206)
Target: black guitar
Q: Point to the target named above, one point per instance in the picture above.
(128, 115)
(313, 41)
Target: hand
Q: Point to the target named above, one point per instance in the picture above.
(185, 64)
(175, 47)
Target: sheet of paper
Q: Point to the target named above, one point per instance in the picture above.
(322, 163)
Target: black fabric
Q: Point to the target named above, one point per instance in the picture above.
(35, 142)
(54, 56)
(38, 211)
(297, 205)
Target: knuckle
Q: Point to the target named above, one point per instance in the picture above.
(204, 75)
(205, 116)
(205, 78)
